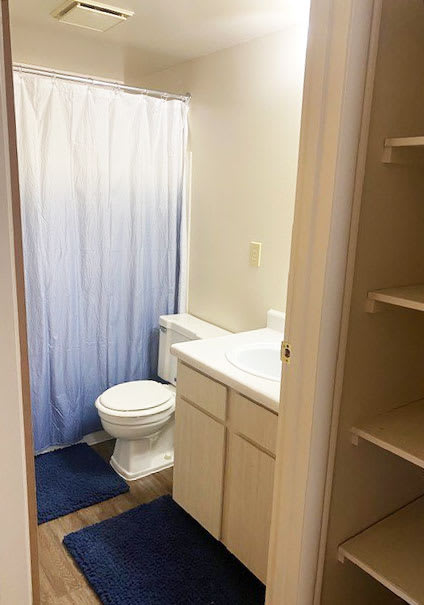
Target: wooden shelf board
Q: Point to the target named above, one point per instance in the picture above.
(392, 552)
(404, 142)
(403, 150)
(409, 297)
(400, 431)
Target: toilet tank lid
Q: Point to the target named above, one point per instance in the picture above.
(190, 326)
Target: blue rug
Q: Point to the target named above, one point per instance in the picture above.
(73, 478)
(156, 554)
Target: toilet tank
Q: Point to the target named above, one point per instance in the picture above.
(180, 328)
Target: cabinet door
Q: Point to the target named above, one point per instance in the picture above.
(199, 465)
(248, 503)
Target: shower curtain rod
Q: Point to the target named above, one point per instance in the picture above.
(40, 71)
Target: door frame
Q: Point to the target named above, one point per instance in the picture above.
(335, 84)
(341, 53)
(19, 564)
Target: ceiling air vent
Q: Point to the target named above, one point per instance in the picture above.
(91, 15)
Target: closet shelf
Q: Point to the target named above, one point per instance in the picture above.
(399, 431)
(391, 551)
(396, 144)
(404, 142)
(408, 297)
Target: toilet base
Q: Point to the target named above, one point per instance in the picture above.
(142, 473)
(134, 459)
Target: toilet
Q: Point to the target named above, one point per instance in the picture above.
(140, 413)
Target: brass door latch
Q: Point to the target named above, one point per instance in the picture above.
(286, 352)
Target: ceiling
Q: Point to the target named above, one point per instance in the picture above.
(168, 32)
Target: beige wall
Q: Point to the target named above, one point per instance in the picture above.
(15, 580)
(244, 132)
(78, 51)
(244, 135)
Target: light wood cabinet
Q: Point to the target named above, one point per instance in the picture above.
(249, 480)
(207, 394)
(253, 422)
(224, 465)
(199, 465)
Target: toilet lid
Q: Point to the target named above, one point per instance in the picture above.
(135, 395)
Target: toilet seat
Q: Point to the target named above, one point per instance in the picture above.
(136, 398)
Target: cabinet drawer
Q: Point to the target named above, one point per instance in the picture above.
(207, 394)
(253, 421)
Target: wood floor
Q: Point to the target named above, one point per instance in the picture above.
(61, 581)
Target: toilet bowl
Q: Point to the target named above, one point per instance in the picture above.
(140, 415)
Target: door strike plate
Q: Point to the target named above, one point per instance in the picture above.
(286, 352)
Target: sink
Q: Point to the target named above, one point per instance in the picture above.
(259, 359)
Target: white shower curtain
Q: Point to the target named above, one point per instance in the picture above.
(102, 179)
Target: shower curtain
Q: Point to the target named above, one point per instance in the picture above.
(102, 194)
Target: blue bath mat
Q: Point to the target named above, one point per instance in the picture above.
(156, 554)
(73, 478)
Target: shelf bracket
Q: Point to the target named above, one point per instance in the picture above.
(374, 306)
(393, 154)
(387, 155)
(354, 437)
(340, 556)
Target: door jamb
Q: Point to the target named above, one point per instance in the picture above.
(350, 270)
(335, 91)
(20, 294)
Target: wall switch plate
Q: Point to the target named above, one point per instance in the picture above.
(255, 250)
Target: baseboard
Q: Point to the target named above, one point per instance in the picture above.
(90, 439)
(97, 437)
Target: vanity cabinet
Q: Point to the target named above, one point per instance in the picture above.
(224, 464)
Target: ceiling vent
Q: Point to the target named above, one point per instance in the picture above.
(91, 15)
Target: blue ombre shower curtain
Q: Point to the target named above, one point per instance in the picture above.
(102, 193)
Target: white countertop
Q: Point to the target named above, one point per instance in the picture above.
(208, 356)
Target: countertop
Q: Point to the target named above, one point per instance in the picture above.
(208, 356)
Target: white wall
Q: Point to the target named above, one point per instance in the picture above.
(244, 135)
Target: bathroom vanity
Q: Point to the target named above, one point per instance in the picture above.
(225, 443)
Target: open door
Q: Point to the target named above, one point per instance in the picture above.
(336, 86)
(18, 519)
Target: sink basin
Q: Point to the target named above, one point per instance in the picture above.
(259, 359)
